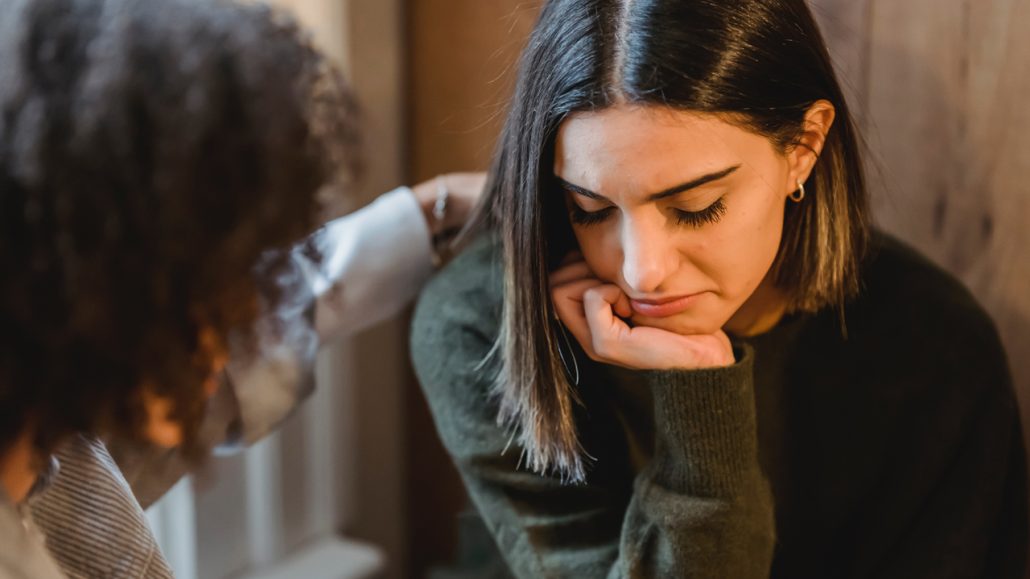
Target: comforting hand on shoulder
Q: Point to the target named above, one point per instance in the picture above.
(461, 191)
(596, 313)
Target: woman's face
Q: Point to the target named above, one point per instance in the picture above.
(682, 211)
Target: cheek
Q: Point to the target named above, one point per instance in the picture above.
(600, 250)
(765, 243)
(741, 255)
(768, 231)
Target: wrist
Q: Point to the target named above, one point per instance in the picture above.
(426, 195)
(664, 350)
(433, 198)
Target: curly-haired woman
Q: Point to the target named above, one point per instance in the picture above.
(163, 164)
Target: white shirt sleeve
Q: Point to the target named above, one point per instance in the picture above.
(374, 262)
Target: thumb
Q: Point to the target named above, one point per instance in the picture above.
(601, 304)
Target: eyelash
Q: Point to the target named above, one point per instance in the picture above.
(711, 214)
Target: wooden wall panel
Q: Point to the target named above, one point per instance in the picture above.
(462, 57)
(941, 99)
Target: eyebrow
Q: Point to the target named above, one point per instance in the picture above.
(692, 184)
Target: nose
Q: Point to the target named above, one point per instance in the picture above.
(646, 256)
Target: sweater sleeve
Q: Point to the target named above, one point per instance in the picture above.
(701, 508)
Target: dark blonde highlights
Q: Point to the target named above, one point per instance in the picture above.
(758, 63)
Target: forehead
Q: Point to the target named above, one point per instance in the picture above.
(649, 147)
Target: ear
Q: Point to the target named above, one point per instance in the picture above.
(803, 155)
(161, 429)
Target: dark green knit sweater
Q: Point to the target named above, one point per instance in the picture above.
(893, 452)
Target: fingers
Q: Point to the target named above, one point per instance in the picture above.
(465, 185)
(573, 271)
(568, 302)
(571, 257)
(463, 191)
(589, 308)
(568, 284)
(606, 330)
(593, 311)
(622, 307)
(608, 299)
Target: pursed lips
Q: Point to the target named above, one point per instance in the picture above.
(663, 307)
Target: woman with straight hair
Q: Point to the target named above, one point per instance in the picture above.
(675, 347)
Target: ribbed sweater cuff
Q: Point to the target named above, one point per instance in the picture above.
(705, 427)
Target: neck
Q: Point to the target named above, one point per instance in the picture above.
(760, 313)
(18, 470)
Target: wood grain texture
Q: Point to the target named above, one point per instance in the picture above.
(941, 91)
(462, 59)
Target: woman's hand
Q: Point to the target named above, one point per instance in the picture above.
(463, 192)
(595, 313)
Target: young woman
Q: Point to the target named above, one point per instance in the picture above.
(676, 349)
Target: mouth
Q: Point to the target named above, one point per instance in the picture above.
(664, 307)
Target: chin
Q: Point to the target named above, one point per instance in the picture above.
(685, 324)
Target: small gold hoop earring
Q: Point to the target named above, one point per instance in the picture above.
(798, 194)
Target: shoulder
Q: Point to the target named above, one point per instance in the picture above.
(915, 317)
(22, 550)
(896, 273)
(456, 323)
(899, 282)
(466, 294)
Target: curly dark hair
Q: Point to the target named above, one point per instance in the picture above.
(158, 158)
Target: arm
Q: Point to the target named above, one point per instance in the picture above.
(961, 511)
(699, 509)
(92, 524)
(374, 261)
(974, 522)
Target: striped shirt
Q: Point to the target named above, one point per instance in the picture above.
(93, 525)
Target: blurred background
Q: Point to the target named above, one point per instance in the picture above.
(357, 485)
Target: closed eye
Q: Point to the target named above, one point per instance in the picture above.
(711, 214)
(581, 216)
